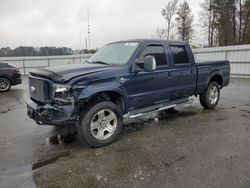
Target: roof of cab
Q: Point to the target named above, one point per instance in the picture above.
(152, 40)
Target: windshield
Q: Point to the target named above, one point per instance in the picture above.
(114, 54)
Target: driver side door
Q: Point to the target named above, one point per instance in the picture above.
(149, 88)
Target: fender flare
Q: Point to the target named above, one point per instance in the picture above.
(215, 73)
(89, 92)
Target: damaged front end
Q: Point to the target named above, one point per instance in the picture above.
(50, 103)
(52, 114)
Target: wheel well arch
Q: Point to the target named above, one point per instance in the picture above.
(7, 77)
(217, 78)
(111, 96)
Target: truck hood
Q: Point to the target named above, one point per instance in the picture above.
(67, 72)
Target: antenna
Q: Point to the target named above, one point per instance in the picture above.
(88, 27)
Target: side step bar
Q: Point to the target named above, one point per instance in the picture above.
(156, 108)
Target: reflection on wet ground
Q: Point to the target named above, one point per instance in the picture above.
(62, 139)
(68, 136)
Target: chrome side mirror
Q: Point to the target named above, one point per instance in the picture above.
(149, 64)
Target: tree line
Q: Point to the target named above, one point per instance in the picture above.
(222, 22)
(42, 51)
(31, 51)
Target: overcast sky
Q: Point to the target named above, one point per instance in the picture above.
(59, 22)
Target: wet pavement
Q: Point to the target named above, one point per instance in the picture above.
(191, 147)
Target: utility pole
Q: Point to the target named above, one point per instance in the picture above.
(86, 43)
(88, 28)
(80, 46)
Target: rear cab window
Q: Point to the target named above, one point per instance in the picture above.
(179, 54)
(157, 51)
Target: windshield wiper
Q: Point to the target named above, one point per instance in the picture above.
(99, 62)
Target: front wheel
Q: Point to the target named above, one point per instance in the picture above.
(100, 124)
(211, 97)
(5, 84)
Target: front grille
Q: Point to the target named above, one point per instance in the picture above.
(39, 89)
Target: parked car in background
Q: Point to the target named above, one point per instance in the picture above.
(125, 79)
(9, 76)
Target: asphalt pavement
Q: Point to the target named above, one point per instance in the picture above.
(191, 147)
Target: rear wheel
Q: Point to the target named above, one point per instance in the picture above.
(100, 124)
(211, 97)
(5, 84)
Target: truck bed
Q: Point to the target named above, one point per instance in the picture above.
(206, 70)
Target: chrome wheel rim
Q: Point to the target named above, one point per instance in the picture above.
(103, 124)
(4, 85)
(213, 95)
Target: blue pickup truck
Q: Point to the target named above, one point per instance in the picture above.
(124, 79)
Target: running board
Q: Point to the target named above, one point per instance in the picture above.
(159, 107)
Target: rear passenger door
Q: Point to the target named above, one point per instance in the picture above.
(183, 73)
(150, 88)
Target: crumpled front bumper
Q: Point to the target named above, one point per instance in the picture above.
(52, 114)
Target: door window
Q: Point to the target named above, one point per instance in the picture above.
(180, 54)
(157, 51)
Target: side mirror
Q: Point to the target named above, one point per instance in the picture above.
(149, 64)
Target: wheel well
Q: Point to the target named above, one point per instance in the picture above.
(217, 78)
(6, 78)
(111, 96)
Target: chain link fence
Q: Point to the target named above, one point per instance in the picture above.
(26, 64)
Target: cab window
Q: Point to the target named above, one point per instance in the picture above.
(180, 54)
(157, 51)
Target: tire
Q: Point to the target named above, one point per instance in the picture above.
(210, 98)
(5, 84)
(100, 124)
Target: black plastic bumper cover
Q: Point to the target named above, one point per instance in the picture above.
(52, 114)
(16, 79)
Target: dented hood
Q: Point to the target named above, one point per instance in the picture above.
(66, 72)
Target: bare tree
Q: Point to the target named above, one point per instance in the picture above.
(184, 22)
(168, 13)
(208, 21)
(245, 33)
(242, 18)
(239, 19)
(160, 33)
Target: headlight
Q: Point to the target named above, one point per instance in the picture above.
(63, 94)
(61, 88)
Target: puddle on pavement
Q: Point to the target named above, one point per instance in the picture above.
(20, 176)
(171, 113)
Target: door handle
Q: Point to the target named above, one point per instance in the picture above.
(123, 80)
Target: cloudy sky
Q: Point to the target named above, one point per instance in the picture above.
(59, 22)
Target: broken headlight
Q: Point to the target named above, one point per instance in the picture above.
(63, 94)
